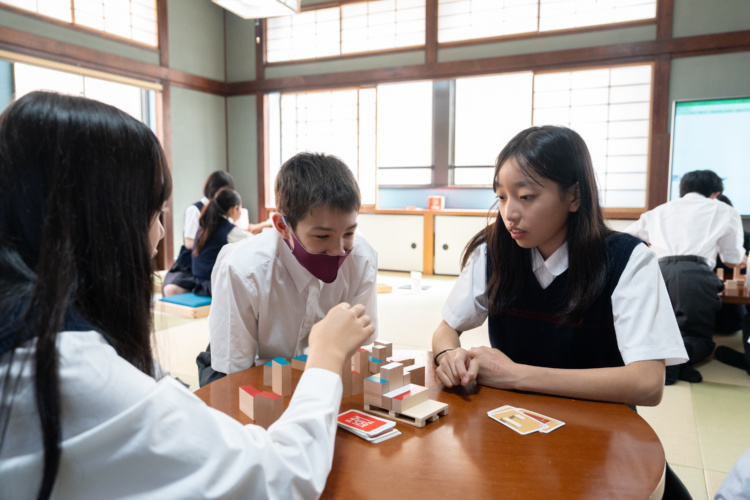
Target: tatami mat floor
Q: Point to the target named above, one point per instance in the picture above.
(703, 427)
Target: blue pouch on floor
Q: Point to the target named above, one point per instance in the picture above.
(188, 299)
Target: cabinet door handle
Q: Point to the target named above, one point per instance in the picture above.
(414, 245)
(445, 246)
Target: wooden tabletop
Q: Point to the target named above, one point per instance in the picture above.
(744, 298)
(604, 450)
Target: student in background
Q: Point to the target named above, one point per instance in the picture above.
(179, 279)
(686, 235)
(80, 411)
(270, 289)
(730, 316)
(575, 309)
(216, 230)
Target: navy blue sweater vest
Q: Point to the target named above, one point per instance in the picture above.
(185, 258)
(203, 263)
(532, 332)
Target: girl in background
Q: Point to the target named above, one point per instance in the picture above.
(179, 279)
(82, 185)
(216, 230)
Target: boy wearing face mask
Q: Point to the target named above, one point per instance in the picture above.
(269, 290)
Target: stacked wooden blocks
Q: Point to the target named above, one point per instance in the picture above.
(398, 391)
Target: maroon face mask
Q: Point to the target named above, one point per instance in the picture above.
(322, 266)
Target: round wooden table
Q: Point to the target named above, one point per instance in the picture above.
(604, 450)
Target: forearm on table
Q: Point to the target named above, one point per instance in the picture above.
(445, 337)
(640, 383)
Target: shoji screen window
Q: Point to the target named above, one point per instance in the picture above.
(490, 110)
(131, 19)
(133, 100)
(610, 108)
(471, 19)
(339, 122)
(348, 29)
(404, 134)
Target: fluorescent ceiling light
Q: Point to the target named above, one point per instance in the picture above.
(256, 9)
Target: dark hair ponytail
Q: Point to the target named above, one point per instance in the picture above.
(213, 213)
(80, 184)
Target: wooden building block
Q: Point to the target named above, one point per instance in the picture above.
(418, 416)
(346, 379)
(268, 408)
(407, 397)
(282, 376)
(374, 390)
(299, 362)
(388, 345)
(268, 373)
(720, 273)
(358, 383)
(375, 365)
(247, 400)
(394, 374)
(379, 351)
(401, 359)
(416, 374)
(383, 288)
(361, 361)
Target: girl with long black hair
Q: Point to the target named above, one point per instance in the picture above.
(575, 309)
(82, 185)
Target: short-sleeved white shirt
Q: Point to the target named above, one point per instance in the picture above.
(192, 219)
(645, 324)
(693, 225)
(265, 303)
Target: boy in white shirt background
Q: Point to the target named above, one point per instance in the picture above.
(686, 234)
(269, 290)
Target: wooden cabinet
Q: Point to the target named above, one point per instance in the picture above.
(398, 239)
(452, 233)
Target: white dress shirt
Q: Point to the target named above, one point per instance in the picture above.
(265, 303)
(693, 225)
(125, 435)
(736, 485)
(645, 325)
(192, 219)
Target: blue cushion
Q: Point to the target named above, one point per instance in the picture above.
(188, 299)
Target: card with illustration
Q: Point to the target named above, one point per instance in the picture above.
(551, 423)
(513, 418)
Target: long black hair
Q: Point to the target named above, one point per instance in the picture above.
(212, 213)
(560, 155)
(80, 184)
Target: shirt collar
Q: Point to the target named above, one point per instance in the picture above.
(301, 276)
(557, 262)
(204, 200)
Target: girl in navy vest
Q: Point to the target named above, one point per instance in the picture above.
(575, 309)
(180, 279)
(216, 230)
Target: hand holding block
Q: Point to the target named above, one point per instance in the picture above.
(282, 377)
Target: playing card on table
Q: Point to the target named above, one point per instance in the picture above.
(363, 424)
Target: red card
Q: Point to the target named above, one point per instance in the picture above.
(363, 423)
